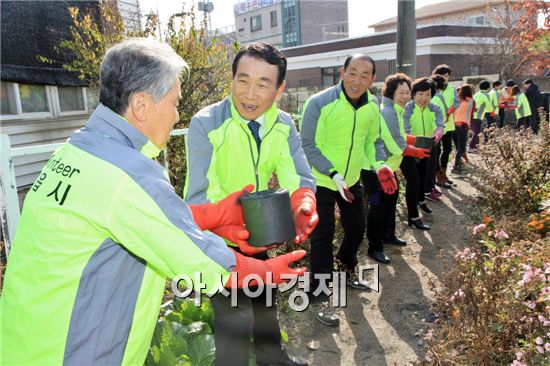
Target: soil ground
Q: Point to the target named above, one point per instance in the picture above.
(388, 327)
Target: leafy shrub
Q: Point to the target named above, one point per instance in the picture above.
(495, 305)
(184, 336)
(514, 174)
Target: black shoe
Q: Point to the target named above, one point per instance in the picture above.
(450, 182)
(291, 360)
(324, 313)
(395, 241)
(424, 207)
(417, 223)
(379, 256)
(445, 184)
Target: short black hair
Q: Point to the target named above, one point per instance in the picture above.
(516, 90)
(497, 83)
(528, 81)
(510, 83)
(423, 84)
(362, 57)
(392, 82)
(266, 52)
(484, 85)
(465, 91)
(439, 81)
(442, 69)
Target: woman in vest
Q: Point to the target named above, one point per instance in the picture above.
(396, 144)
(421, 119)
(523, 110)
(462, 119)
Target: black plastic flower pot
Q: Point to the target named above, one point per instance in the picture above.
(424, 142)
(268, 217)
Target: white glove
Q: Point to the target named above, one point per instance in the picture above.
(342, 187)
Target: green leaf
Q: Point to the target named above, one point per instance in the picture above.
(284, 336)
(198, 328)
(202, 350)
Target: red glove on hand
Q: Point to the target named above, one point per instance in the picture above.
(438, 134)
(387, 180)
(416, 152)
(411, 139)
(277, 266)
(451, 111)
(226, 219)
(304, 207)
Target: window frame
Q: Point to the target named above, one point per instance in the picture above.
(274, 21)
(54, 106)
(57, 104)
(258, 26)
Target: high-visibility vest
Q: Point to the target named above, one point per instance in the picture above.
(465, 111)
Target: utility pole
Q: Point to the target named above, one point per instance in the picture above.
(406, 38)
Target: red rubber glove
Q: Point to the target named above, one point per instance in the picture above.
(411, 139)
(304, 207)
(416, 152)
(451, 111)
(387, 180)
(438, 134)
(226, 219)
(277, 266)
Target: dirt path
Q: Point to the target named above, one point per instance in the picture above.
(387, 328)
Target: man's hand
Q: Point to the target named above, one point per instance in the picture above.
(277, 266)
(225, 219)
(304, 208)
(416, 152)
(438, 134)
(343, 188)
(387, 180)
(411, 139)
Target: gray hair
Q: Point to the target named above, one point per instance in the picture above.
(138, 65)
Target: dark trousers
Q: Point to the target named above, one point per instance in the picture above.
(447, 147)
(476, 127)
(433, 166)
(501, 117)
(534, 121)
(381, 215)
(235, 326)
(415, 175)
(523, 122)
(490, 120)
(461, 133)
(352, 218)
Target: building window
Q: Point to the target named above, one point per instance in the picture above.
(474, 70)
(330, 76)
(8, 100)
(71, 99)
(255, 23)
(392, 67)
(40, 101)
(304, 83)
(477, 20)
(273, 18)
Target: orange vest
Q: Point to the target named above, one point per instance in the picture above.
(464, 112)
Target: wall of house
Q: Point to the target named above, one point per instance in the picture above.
(457, 19)
(38, 132)
(267, 34)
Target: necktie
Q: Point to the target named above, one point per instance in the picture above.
(255, 129)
